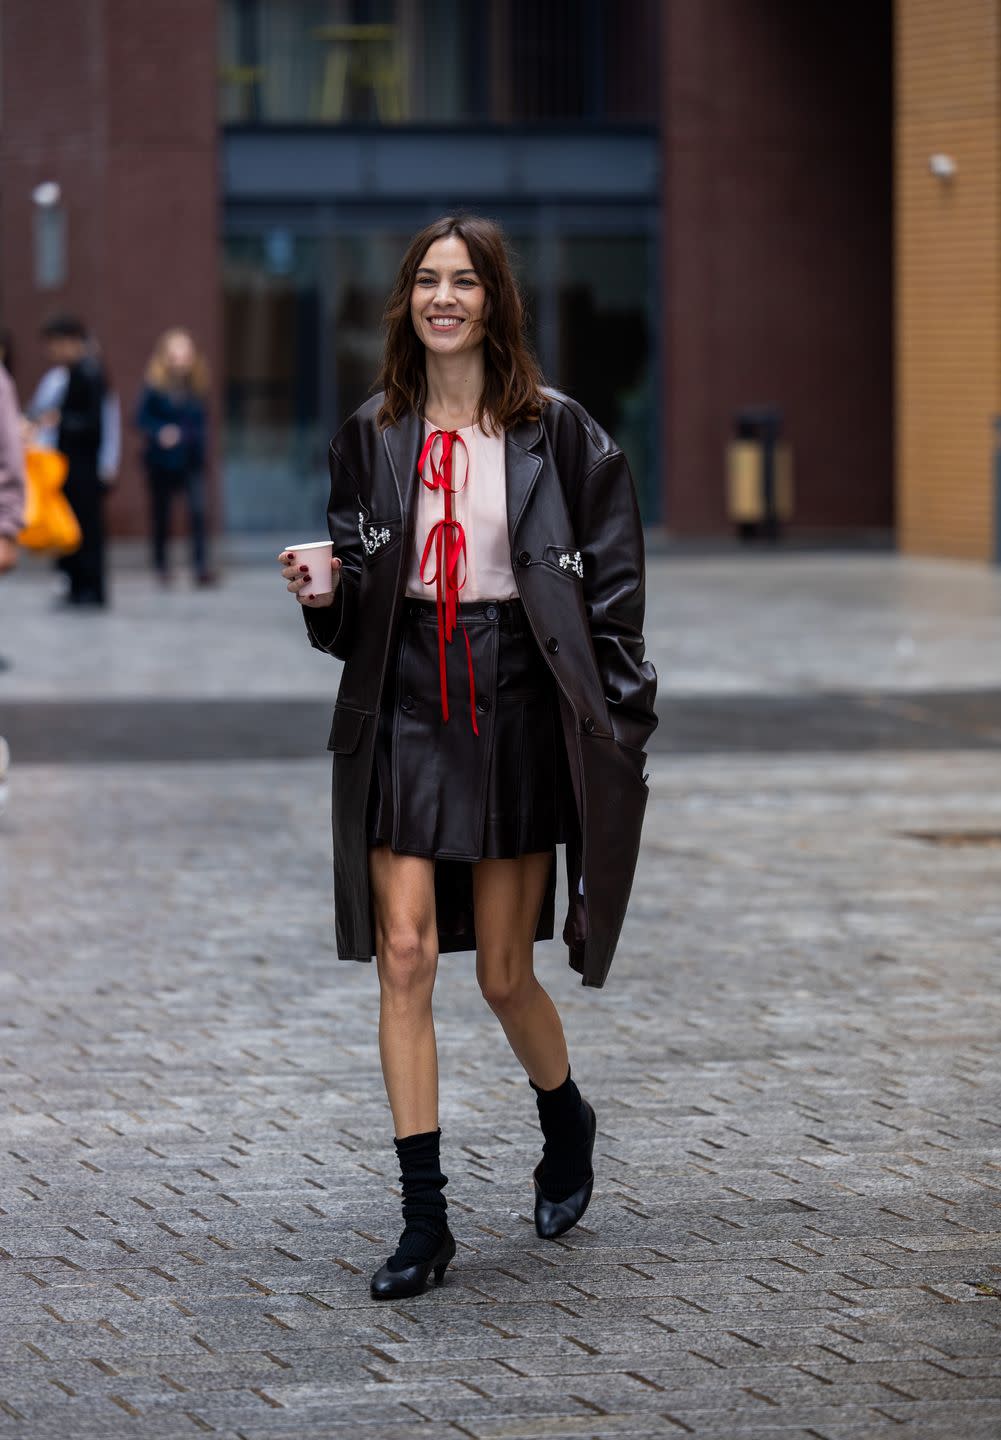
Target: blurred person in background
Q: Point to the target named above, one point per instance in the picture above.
(77, 421)
(47, 401)
(172, 414)
(11, 460)
(11, 498)
(109, 456)
(44, 406)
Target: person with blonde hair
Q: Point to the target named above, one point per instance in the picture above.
(172, 414)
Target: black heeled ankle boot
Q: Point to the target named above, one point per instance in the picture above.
(426, 1245)
(564, 1177)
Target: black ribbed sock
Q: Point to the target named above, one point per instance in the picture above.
(424, 1206)
(566, 1130)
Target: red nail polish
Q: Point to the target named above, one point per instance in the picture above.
(312, 597)
(304, 569)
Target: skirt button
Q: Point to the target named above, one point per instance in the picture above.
(492, 612)
(552, 645)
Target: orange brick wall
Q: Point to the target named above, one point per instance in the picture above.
(947, 274)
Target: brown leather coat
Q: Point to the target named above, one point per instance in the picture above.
(577, 556)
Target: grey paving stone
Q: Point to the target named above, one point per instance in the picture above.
(794, 1064)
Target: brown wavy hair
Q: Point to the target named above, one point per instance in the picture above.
(512, 383)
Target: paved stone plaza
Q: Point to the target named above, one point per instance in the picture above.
(795, 1062)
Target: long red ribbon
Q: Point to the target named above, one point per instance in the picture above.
(447, 539)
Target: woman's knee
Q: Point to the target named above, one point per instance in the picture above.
(505, 984)
(407, 959)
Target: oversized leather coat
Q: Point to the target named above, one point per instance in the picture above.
(577, 556)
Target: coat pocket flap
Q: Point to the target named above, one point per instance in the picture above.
(345, 732)
(377, 536)
(567, 560)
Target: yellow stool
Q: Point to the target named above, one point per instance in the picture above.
(245, 79)
(369, 57)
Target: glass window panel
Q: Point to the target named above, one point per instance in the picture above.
(274, 439)
(365, 268)
(303, 345)
(439, 62)
(605, 359)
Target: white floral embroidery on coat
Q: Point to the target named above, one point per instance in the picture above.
(572, 562)
(371, 536)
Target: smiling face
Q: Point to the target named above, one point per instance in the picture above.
(448, 299)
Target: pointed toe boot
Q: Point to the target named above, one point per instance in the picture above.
(398, 1284)
(555, 1217)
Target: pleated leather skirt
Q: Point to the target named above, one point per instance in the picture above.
(440, 790)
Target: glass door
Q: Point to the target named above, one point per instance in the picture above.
(275, 284)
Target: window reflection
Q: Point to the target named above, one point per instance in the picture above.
(274, 439)
(447, 62)
(605, 358)
(303, 344)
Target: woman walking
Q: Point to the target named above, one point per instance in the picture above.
(172, 415)
(488, 606)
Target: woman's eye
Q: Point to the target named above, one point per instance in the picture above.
(426, 280)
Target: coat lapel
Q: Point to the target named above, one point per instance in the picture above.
(523, 462)
(403, 446)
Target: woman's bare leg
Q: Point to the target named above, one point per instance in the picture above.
(406, 941)
(507, 896)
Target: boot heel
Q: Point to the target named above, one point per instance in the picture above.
(441, 1265)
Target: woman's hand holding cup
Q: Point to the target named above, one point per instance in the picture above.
(313, 572)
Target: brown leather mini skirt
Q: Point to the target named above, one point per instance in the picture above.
(440, 790)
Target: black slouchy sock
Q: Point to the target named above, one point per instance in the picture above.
(424, 1206)
(566, 1132)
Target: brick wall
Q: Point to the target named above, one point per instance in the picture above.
(777, 277)
(117, 102)
(948, 288)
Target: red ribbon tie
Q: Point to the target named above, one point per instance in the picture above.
(447, 540)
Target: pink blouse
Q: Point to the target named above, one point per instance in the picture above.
(479, 504)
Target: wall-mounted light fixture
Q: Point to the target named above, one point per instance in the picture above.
(944, 166)
(50, 235)
(47, 194)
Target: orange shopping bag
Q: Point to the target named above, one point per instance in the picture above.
(49, 522)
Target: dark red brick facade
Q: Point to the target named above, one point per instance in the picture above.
(116, 101)
(776, 227)
(777, 275)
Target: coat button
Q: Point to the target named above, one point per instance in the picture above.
(588, 723)
(407, 703)
(552, 644)
(492, 612)
(524, 558)
(483, 704)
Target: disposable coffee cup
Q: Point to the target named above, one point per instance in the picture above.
(317, 554)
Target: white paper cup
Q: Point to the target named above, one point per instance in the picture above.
(317, 554)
